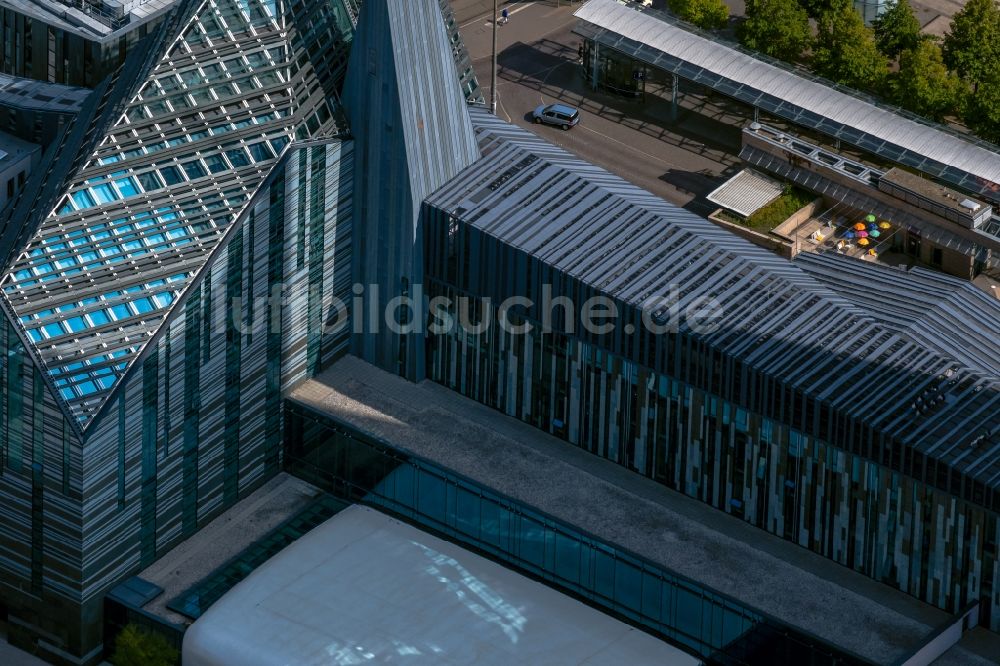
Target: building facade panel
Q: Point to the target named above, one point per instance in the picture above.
(211, 455)
(668, 408)
(409, 141)
(165, 458)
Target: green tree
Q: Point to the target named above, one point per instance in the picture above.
(707, 14)
(845, 49)
(138, 647)
(897, 29)
(972, 46)
(924, 85)
(982, 108)
(816, 8)
(779, 28)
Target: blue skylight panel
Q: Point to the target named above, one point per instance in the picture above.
(216, 164)
(104, 193)
(238, 158)
(83, 200)
(194, 169)
(150, 181)
(127, 186)
(143, 305)
(171, 175)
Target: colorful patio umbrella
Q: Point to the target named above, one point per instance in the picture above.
(884, 225)
(870, 218)
(875, 233)
(849, 234)
(872, 253)
(860, 226)
(862, 242)
(862, 234)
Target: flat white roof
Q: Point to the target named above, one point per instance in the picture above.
(746, 192)
(366, 588)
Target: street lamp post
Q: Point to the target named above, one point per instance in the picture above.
(493, 75)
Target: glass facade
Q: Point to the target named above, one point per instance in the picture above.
(188, 240)
(57, 53)
(166, 183)
(718, 629)
(679, 412)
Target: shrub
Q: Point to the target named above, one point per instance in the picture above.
(780, 209)
(138, 647)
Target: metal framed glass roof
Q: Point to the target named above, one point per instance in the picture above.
(147, 208)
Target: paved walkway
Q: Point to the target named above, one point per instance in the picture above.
(225, 537)
(12, 656)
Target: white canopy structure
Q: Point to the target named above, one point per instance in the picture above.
(364, 588)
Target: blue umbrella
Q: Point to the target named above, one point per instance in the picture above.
(849, 235)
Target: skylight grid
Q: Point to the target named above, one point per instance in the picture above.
(141, 218)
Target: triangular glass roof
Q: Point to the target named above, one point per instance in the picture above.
(170, 177)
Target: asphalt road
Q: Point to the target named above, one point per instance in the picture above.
(538, 63)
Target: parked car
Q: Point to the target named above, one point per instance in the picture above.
(559, 115)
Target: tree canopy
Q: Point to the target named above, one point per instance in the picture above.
(897, 29)
(924, 85)
(707, 14)
(138, 647)
(816, 8)
(982, 108)
(779, 28)
(845, 49)
(972, 46)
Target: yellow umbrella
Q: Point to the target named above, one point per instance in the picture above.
(862, 242)
(884, 225)
(860, 226)
(872, 252)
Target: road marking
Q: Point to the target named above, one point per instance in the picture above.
(486, 16)
(503, 108)
(632, 148)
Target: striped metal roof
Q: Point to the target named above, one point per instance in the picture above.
(945, 313)
(626, 243)
(661, 41)
(746, 192)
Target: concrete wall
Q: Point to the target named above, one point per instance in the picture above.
(766, 241)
